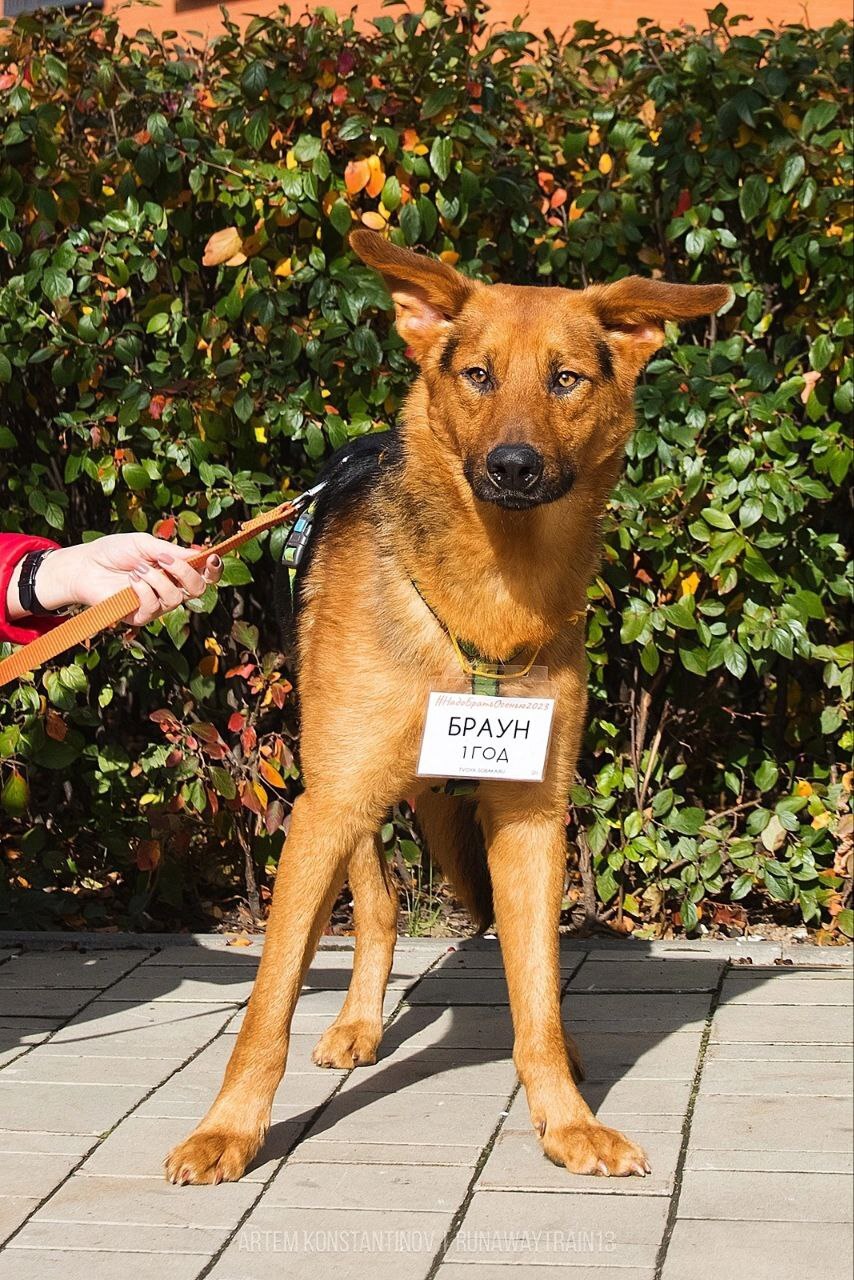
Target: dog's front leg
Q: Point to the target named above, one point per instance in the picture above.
(354, 1036)
(311, 872)
(527, 855)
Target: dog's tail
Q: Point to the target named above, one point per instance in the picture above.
(454, 840)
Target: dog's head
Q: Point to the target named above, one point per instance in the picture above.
(530, 386)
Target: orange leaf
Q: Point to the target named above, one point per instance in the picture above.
(270, 774)
(375, 221)
(357, 175)
(222, 246)
(55, 727)
(148, 855)
(376, 182)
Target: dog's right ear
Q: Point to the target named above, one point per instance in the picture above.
(427, 294)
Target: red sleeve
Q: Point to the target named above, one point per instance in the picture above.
(13, 548)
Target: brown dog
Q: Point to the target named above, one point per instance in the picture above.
(490, 497)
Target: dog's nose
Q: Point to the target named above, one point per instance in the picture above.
(514, 466)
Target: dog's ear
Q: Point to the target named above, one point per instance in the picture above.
(427, 294)
(633, 310)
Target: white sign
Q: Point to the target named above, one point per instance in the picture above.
(469, 735)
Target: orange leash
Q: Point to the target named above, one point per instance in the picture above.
(99, 617)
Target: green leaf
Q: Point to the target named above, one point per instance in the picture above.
(793, 171)
(766, 775)
(440, 157)
(135, 476)
(687, 821)
(253, 82)
(753, 196)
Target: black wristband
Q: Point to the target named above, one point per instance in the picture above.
(30, 566)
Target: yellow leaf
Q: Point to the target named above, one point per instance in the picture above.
(690, 583)
(283, 268)
(375, 221)
(222, 245)
(450, 256)
(803, 789)
(574, 212)
(594, 137)
(606, 164)
(291, 161)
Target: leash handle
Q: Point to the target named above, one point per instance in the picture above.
(99, 617)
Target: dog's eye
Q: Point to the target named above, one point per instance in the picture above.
(566, 379)
(477, 375)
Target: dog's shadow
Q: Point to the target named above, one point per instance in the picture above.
(622, 1001)
(668, 995)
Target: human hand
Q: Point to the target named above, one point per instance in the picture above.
(158, 571)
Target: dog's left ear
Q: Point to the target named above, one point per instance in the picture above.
(427, 293)
(633, 310)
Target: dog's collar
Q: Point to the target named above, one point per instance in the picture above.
(476, 666)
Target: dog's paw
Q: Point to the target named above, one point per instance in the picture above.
(210, 1156)
(352, 1044)
(595, 1149)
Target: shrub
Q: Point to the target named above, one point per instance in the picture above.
(184, 335)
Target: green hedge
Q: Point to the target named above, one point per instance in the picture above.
(154, 378)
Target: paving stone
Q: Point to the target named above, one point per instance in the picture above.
(813, 1079)
(33, 1173)
(783, 1024)
(118, 1237)
(59, 1069)
(429, 1070)
(14, 1210)
(636, 1099)
(786, 987)
(765, 1197)
(81, 1264)
(761, 1250)
(74, 1108)
(788, 1123)
(629, 1013)
(777, 1161)
(536, 1271)
(420, 1187)
(145, 1202)
(89, 970)
(672, 976)
(436, 989)
(139, 1145)
(517, 1163)
(322, 1150)
(576, 1229)
(615, 1054)
(315, 1010)
(18, 1032)
(59, 1004)
(456, 1028)
(833, 957)
(305, 1244)
(147, 1030)
(21, 1142)
(746, 1052)
(220, 984)
(363, 1116)
(184, 957)
(189, 1093)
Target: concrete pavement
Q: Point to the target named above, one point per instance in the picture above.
(731, 1063)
